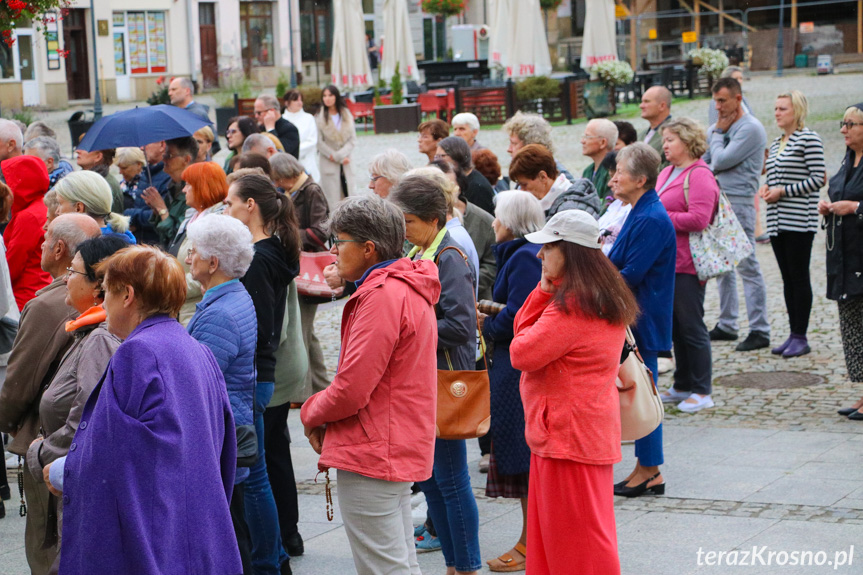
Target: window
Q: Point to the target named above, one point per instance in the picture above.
(147, 42)
(256, 29)
(7, 61)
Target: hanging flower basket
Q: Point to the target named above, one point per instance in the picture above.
(711, 62)
(42, 12)
(443, 8)
(613, 73)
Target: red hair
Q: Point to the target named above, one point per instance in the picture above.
(208, 181)
(157, 278)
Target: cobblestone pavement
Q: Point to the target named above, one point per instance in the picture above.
(772, 467)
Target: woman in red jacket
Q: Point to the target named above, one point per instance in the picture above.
(375, 423)
(28, 179)
(568, 339)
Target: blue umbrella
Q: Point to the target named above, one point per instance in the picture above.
(141, 126)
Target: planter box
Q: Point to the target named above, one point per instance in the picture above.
(396, 119)
(223, 115)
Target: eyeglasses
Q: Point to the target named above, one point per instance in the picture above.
(70, 271)
(441, 156)
(337, 242)
(586, 137)
(375, 178)
(849, 125)
(190, 252)
(260, 112)
(231, 131)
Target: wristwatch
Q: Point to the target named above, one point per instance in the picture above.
(163, 212)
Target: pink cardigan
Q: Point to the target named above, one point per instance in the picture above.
(703, 201)
(569, 366)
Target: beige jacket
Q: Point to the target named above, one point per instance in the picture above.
(40, 345)
(338, 143)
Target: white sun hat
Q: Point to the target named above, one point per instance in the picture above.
(575, 226)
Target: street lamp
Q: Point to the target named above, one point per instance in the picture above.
(780, 47)
(291, 40)
(97, 98)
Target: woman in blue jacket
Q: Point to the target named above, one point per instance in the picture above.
(645, 252)
(225, 321)
(517, 214)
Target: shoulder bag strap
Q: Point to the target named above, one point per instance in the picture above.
(476, 311)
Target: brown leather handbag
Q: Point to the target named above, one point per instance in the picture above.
(463, 396)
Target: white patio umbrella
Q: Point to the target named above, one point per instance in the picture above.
(398, 45)
(599, 42)
(528, 54)
(350, 61)
(499, 39)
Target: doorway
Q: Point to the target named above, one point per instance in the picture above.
(209, 47)
(77, 62)
(27, 67)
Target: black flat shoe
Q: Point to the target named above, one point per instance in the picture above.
(5, 493)
(294, 545)
(846, 410)
(856, 416)
(641, 488)
(621, 484)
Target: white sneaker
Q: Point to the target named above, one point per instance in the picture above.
(664, 365)
(671, 395)
(701, 402)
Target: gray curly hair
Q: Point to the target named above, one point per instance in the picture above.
(225, 238)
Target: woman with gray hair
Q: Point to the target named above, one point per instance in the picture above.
(645, 252)
(466, 126)
(387, 359)
(452, 506)
(88, 193)
(519, 271)
(135, 179)
(385, 171)
(478, 191)
(220, 253)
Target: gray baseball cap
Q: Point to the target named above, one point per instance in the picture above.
(575, 226)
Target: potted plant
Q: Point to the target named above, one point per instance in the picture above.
(160, 94)
(226, 107)
(538, 92)
(710, 63)
(397, 117)
(613, 73)
(443, 9)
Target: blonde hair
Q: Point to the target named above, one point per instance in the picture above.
(206, 133)
(93, 191)
(450, 189)
(691, 133)
(128, 156)
(799, 105)
(854, 111)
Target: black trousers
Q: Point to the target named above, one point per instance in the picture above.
(280, 468)
(693, 364)
(241, 528)
(793, 251)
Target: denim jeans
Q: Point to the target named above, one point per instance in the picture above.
(452, 506)
(267, 552)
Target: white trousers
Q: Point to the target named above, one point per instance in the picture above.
(377, 516)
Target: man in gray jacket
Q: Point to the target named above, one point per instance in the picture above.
(736, 155)
(39, 346)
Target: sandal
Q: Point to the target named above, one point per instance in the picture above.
(508, 563)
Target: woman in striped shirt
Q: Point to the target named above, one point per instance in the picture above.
(795, 173)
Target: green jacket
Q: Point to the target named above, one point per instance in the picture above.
(599, 179)
(168, 227)
(116, 194)
(656, 141)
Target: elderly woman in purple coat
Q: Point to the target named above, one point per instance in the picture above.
(147, 482)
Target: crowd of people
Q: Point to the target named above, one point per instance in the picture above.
(162, 340)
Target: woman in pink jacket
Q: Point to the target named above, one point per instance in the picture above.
(690, 195)
(568, 340)
(375, 423)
